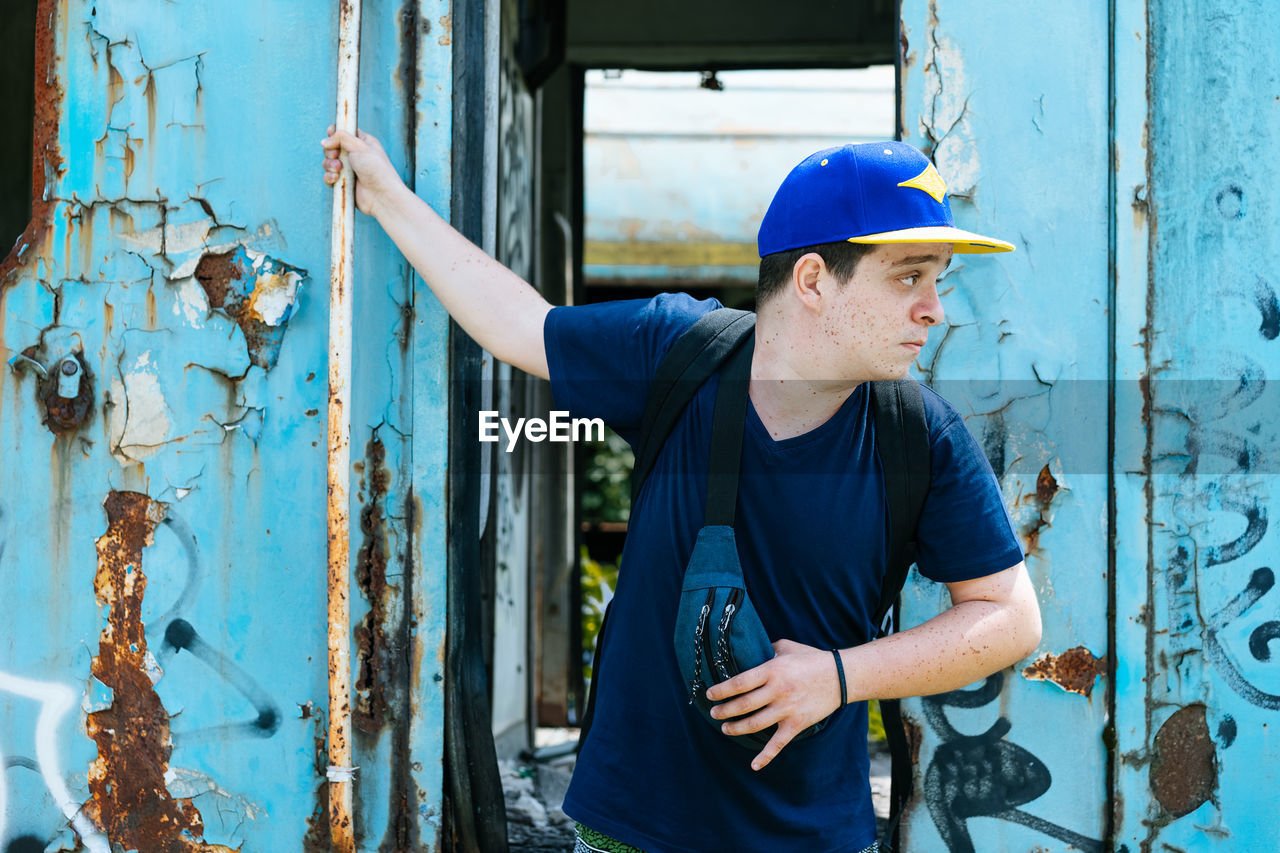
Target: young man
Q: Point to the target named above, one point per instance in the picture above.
(851, 251)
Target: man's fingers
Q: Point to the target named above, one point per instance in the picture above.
(757, 722)
(740, 683)
(780, 738)
(752, 700)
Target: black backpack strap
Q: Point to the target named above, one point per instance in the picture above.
(902, 441)
(725, 463)
(696, 354)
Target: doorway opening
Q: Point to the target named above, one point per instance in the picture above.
(17, 111)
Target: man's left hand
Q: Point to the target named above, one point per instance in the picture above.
(796, 689)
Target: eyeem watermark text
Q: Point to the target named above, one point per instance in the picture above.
(560, 427)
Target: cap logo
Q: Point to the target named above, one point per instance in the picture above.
(928, 181)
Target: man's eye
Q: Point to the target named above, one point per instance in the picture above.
(910, 280)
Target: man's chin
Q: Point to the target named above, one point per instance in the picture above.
(889, 371)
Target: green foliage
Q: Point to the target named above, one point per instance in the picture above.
(598, 582)
(875, 723)
(606, 490)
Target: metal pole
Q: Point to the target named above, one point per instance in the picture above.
(341, 773)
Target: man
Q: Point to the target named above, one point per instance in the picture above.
(851, 251)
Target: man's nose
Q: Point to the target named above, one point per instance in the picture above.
(928, 310)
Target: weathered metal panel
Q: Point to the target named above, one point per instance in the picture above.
(1196, 753)
(513, 600)
(430, 68)
(161, 530)
(1014, 109)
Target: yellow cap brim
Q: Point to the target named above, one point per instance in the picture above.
(965, 242)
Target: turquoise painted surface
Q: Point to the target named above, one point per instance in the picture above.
(1144, 201)
(1014, 109)
(188, 132)
(1197, 753)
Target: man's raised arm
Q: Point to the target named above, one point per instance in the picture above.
(494, 305)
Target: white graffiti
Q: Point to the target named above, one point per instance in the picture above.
(55, 701)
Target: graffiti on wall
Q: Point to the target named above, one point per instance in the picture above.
(132, 728)
(984, 775)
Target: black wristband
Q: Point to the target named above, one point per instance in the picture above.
(844, 691)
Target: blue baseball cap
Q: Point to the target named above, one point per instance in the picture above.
(876, 192)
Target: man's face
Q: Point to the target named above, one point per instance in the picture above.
(880, 319)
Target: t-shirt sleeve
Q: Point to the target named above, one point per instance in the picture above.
(965, 531)
(603, 356)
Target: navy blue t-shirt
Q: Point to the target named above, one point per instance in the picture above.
(811, 533)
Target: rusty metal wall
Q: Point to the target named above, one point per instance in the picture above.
(162, 533)
(1197, 760)
(1115, 369)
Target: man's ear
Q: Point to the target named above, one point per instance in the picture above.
(806, 278)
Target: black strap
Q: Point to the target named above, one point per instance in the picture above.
(902, 442)
(696, 355)
(727, 424)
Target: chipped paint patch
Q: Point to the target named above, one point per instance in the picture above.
(147, 424)
(1184, 766)
(1075, 670)
(168, 239)
(190, 303)
(259, 292)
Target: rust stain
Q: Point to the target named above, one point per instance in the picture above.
(318, 838)
(446, 37)
(1184, 766)
(1075, 670)
(1046, 489)
(46, 157)
(215, 272)
(149, 94)
(373, 650)
(129, 797)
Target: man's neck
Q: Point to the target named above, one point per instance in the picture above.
(788, 390)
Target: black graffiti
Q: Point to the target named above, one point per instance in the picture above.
(180, 635)
(1260, 583)
(1200, 408)
(26, 844)
(1224, 445)
(1265, 298)
(984, 775)
(1261, 638)
(515, 179)
(993, 441)
(1256, 528)
(190, 549)
(1227, 730)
